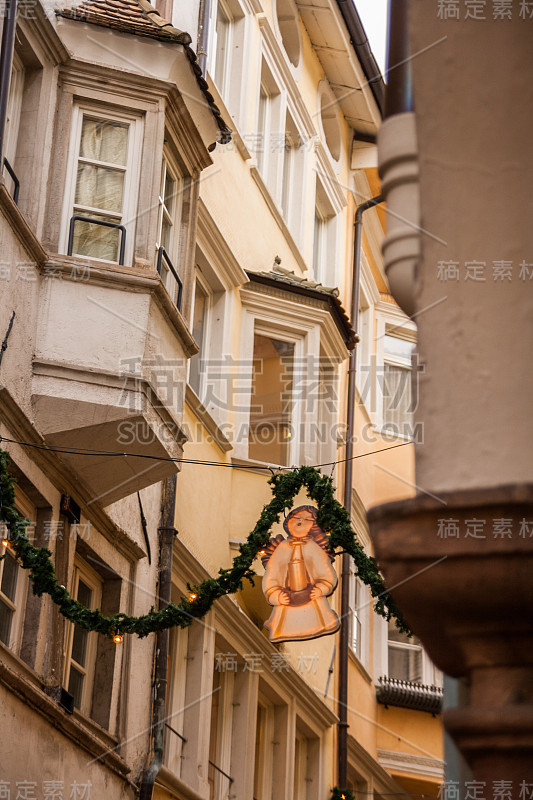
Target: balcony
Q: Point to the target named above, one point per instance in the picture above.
(109, 374)
(417, 696)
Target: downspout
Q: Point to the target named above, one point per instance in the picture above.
(166, 532)
(6, 65)
(346, 569)
(204, 16)
(398, 165)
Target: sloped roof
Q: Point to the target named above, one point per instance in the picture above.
(140, 18)
(286, 279)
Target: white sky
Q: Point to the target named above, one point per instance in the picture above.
(373, 15)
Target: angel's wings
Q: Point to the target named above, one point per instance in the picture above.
(266, 552)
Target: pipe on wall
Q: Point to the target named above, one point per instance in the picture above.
(166, 533)
(346, 569)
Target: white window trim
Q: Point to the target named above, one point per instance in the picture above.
(26, 508)
(203, 353)
(94, 581)
(390, 320)
(14, 108)
(313, 331)
(132, 173)
(176, 706)
(431, 675)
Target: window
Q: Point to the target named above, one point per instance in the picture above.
(199, 331)
(405, 656)
(271, 418)
(102, 186)
(306, 765)
(292, 178)
(268, 125)
(14, 582)
(325, 238)
(397, 402)
(175, 701)
(264, 751)
(226, 49)
(82, 644)
(170, 202)
(355, 616)
(14, 107)
(9, 579)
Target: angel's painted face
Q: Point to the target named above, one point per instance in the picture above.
(300, 524)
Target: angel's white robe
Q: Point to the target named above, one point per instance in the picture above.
(314, 618)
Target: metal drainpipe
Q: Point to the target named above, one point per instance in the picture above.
(342, 705)
(204, 16)
(6, 65)
(399, 93)
(166, 533)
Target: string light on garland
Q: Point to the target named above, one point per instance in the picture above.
(332, 518)
(342, 794)
(118, 638)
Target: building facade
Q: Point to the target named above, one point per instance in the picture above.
(177, 250)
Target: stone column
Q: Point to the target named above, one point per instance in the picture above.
(460, 554)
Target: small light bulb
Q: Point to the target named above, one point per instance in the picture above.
(261, 552)
(5, 542)
(117, 638)
(193, 596)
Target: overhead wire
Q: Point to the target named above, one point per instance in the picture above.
(85, 451)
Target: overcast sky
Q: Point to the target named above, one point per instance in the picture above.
(373, 15)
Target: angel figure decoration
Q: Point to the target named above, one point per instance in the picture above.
(298, 579)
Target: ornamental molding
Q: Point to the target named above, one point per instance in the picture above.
(408, 762)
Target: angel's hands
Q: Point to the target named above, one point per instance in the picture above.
(284, 599)
(316, 592)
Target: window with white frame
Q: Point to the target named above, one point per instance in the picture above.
(175, 701)
(102, 185)
(14, 107)
(293, 175)
(226, 49)
(306, 766)
(271, 405)
(268, 147)
(81, 644)
(406, 659)
(290, 351)
(11, 599)
(13, 582)
(200, 320)
(397, 393)
(168, 224)
(264, 750)
(325, 238)
(405, 656)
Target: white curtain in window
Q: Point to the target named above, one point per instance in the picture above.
(100, 186)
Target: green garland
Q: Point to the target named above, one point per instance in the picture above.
(332, 518)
